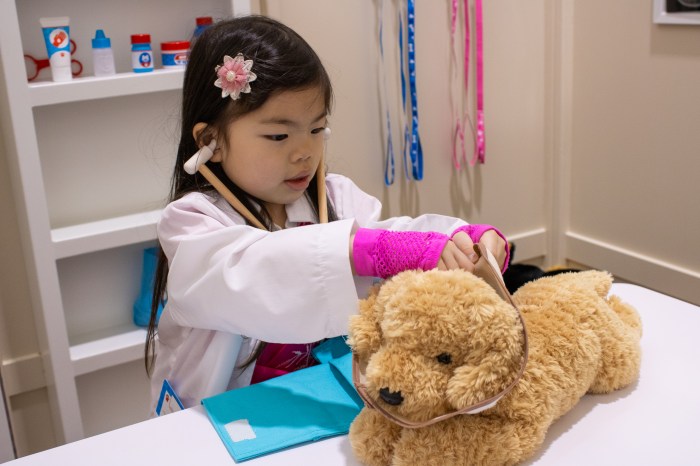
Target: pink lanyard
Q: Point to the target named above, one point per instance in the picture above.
(480, 134)
(480, 137)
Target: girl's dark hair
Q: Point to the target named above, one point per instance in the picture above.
(282, 61)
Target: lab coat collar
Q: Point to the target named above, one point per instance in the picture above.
(300, 212)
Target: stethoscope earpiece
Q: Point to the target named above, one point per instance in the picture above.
(200, 157)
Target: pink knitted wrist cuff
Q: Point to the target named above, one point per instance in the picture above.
(475, 232)
(361, 251)
(384, 253)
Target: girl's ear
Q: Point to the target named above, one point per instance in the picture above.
(203, 135)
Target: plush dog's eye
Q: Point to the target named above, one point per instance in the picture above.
(444, 358)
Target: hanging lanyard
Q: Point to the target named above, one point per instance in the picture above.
(405, 146)
(411, 149)
(461, 117)
(389, 156)
(464, 122)
(480, 154)
(416, 150)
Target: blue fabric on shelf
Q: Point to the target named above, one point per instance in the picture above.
(142, 305)
(300, 407)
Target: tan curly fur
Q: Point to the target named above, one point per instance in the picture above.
(581, 341)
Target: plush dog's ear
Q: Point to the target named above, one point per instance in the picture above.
(472, 384)
(365, 333)
(493, 372)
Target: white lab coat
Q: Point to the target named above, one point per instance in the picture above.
(231, 284)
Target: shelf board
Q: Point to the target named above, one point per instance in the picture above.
(104, 234)
(107, 348)
(91, 87)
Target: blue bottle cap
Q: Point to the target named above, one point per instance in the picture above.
(100, 41)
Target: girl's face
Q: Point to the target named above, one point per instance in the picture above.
(273, 152)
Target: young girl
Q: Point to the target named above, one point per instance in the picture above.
(246, 259)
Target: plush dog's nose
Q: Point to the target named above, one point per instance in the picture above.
(392, 398)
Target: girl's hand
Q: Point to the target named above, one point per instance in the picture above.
(465, 257)
(496, 245)
(487, 235)
(458, 254)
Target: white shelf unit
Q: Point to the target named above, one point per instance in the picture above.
(104, 234)
(90, 162)
(89, 88)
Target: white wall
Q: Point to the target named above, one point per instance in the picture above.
(635, 148)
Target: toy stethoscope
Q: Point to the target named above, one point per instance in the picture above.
(197, 163)
(35, 65)
(487, 269)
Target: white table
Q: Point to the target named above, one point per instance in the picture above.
(654, 422)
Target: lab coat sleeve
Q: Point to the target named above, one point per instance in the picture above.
(288, 286)
(426, 222)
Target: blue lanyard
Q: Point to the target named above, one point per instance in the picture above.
(406, 135)
(389, 162)
(389, 158)
(416, 150)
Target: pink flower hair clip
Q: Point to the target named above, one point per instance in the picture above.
(234, 76)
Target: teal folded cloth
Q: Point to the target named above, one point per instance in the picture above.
(297, 408)
(333, 348)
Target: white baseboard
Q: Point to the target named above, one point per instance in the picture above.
(641, 269)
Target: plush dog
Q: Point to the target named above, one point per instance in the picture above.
(434, 342)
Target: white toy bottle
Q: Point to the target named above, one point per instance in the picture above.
(102, 55)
